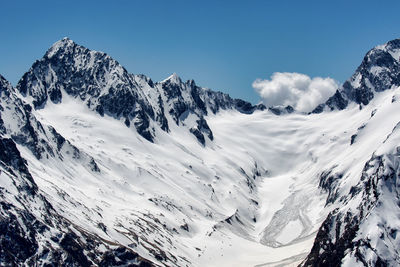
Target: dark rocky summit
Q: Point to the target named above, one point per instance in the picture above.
(106, 87)
(379, 71)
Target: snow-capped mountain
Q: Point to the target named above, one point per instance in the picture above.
(379, 71)
(106, 87)
(32, 231)
(103, 167)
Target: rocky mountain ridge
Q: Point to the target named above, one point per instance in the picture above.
(379, 71)
(106, 87)
(27, 218)
(75, 193)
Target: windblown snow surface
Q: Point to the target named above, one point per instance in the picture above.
(251, 197)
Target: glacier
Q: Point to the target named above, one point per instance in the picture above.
(107, 168)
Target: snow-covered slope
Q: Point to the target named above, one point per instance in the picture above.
(222, 182)
(106, 87)
(379, 71)
(32, 231)
(362, 229)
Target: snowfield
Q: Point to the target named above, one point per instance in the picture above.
(251, 197)
(102, 167)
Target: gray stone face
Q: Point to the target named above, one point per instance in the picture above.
(106, 87)
(27, 218)
(379, 71)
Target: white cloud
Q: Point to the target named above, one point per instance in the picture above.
(298, 90)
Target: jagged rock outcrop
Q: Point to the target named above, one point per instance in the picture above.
(364, 230)
(106, 87)
(379, 71)
(32, 232)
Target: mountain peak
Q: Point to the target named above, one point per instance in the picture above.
(379, 71)
(393, 44)
(64, 44)
(2, 79)
(4, 84)
(174, 78)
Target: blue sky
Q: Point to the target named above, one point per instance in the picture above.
(223, 45)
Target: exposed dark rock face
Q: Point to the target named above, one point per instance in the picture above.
(50, 240)
(36, 234)
(280, 110)
(106, 87)
(360, 229)
(202, 129)
(379, 71)
(93, 77)
(19, 122)
(328, 182)
(32, 232)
